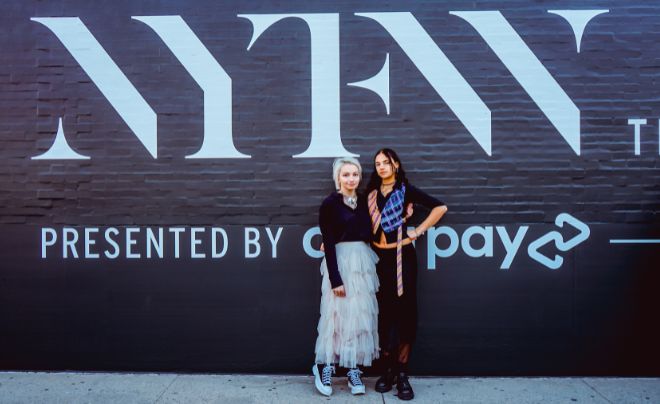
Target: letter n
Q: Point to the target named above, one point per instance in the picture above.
(107, 76)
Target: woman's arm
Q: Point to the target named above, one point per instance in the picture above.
(434, 217)
(326, 221)
(438, 210)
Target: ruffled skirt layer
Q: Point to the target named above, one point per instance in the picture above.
(348, 328)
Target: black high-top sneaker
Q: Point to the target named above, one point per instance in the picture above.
(403, 387)
(384, 383)
(355, 382)
(323, 378)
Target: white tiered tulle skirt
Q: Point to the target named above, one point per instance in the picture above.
(348, 328)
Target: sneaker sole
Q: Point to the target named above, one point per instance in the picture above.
(317, 382)
(355, 390)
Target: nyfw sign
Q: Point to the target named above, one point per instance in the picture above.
(414, 40)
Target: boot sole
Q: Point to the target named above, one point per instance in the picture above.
(407, 398)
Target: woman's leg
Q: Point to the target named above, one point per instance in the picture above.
(407, 320)
(324, 368)
(386, 296)
(404, 352)
(407, 306)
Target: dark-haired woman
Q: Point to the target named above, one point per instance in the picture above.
(389, 192)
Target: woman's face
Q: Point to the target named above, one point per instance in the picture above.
(349, 177)
(384, 166)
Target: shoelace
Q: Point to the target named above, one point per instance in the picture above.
(326, 377)
(354, 377)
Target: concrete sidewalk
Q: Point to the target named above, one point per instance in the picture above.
(65, 387)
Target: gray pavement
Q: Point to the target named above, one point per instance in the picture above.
(68, 387)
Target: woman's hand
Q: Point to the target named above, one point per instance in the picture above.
(412, 234)
(339, 291)
(434, 216)
(409, 211)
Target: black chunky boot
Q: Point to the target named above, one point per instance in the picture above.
(385, 382)
(403, 387)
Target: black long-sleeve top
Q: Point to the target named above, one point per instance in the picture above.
(338, 223)
(413, 195)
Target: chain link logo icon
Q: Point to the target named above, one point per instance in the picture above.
(556, 237)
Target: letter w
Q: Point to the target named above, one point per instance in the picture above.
(440, 73)
(528, 70)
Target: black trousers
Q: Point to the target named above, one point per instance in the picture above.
(397, 315)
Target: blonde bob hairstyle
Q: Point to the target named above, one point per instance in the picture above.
(339, 163)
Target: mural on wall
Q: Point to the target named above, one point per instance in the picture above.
(163, 166)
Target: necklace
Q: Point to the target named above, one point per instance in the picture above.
(350, 201)
(386, 187)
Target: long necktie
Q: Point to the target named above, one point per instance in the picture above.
(375, 222)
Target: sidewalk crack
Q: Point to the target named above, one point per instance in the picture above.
(166, 388)
(596, 391)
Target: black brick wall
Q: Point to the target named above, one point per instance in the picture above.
(546, 320)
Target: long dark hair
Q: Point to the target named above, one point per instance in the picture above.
(400, 174)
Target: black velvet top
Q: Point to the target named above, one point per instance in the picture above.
(338, 223)
(415, 196)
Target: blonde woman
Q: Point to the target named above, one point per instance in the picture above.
(348, 327)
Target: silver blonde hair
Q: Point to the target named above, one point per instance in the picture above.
(339, 163)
